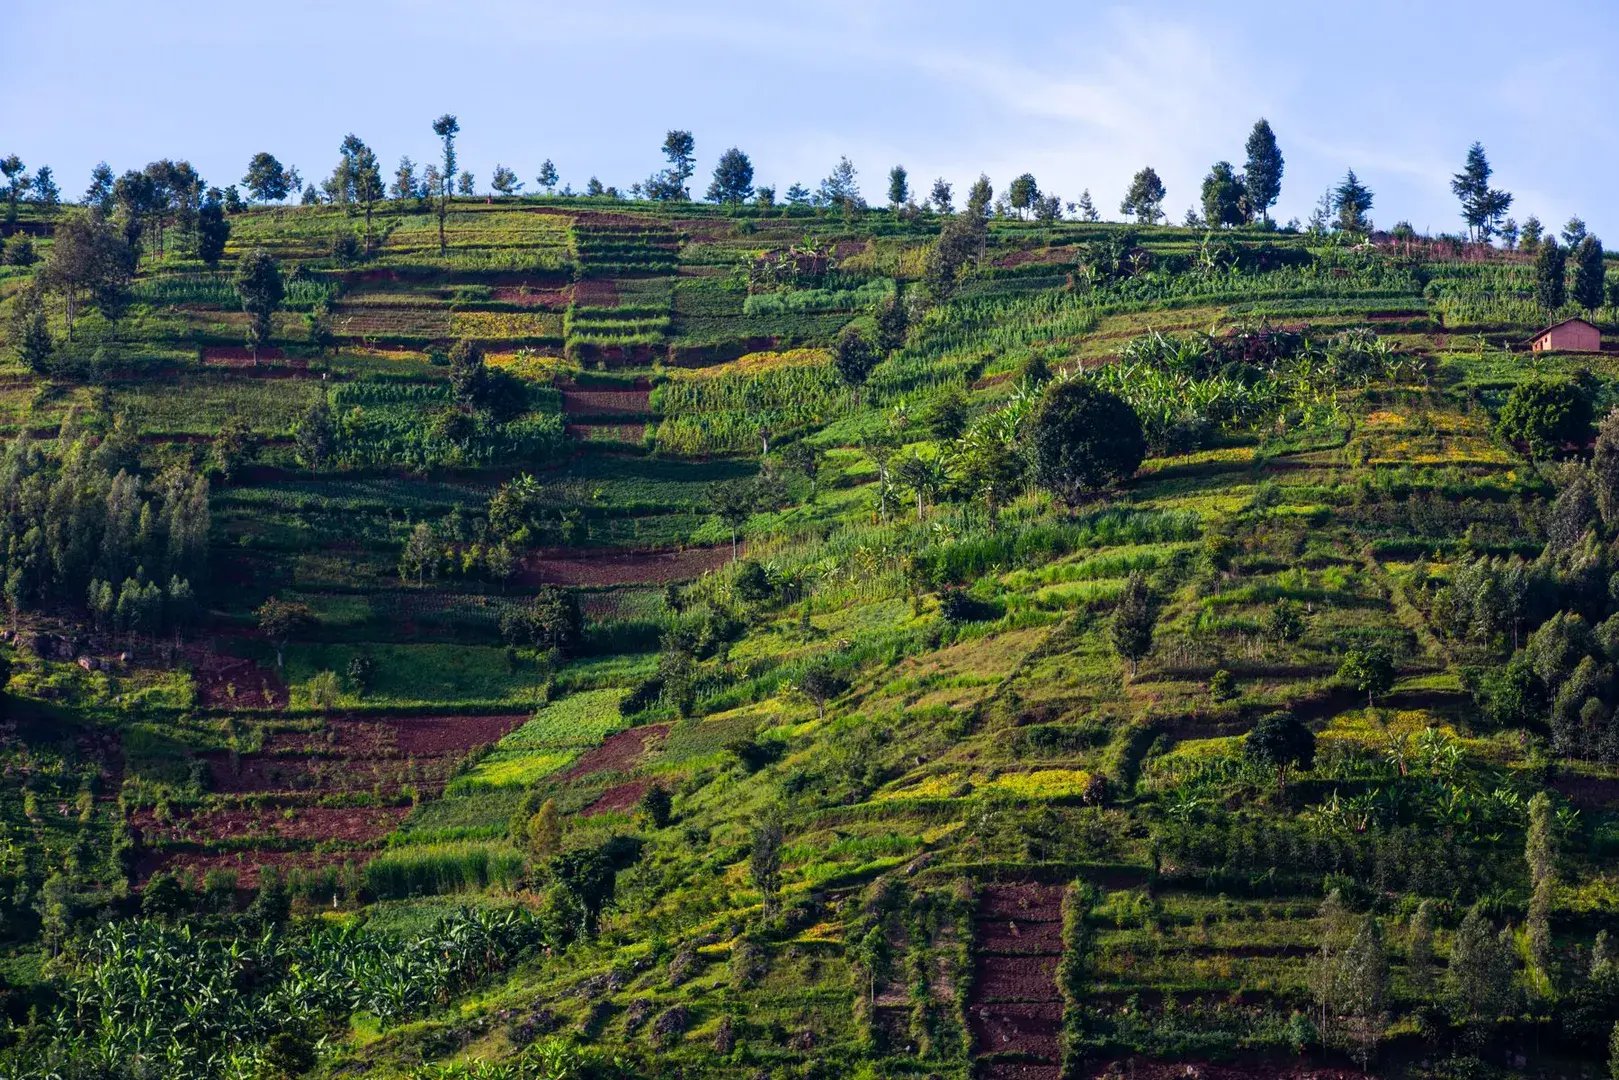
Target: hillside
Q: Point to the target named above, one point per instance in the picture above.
(549, 657)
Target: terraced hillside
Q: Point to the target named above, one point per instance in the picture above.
(650, 640)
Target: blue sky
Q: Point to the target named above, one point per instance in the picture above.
(1081, 94)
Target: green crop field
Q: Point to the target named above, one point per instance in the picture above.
(561, 636)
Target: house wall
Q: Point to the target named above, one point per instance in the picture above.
(1570, 337)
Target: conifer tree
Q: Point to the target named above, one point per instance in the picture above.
(1551, 286)
(1482, 206)
(1262, 177)
(1350, 201)
(1590, 275)
(1133, 620)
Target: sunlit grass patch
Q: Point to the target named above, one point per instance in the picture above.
(511, 768)
(1041, 784)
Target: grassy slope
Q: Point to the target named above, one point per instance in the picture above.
(960, 755)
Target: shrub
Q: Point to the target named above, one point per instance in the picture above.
(1546, 416)
(550, 620)
(1083, 439)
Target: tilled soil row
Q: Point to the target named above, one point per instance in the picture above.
(1015, 1011)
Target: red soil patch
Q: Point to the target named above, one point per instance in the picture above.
(1000, 979)
(1019, 937)
(606, 402)
(527, 296)
(236, 356)
(214, 675)
(619, 753)
(1015, 1007)
(1019, 258)
(244, 864)
(352, 825)
(345, 754)
(359, 754)
(1018, 1070)
(1025, 1029)
(583, 566)
(597, 292)
(1029, 901)
(1588, 791)
(618, 798)
(1147, 1069)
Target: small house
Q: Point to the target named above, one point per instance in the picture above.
(1570, 335)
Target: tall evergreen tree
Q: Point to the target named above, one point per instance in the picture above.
(899, 187)
(1145, 198)
(1483, 207)
(840, 188)
(405, 185)
(1590, 275)
(89, 257)
(1262, 177)
(1551, 267)
(358, 178)
(1479, 979)
(99, 194)
(1364, 980)
(1540, 853)
(446, 127)
(213, 229)
(979, 197)
(733, 179)
(1350, 201)
(47, 196)
(261, 289)
(1134, 617)
(548, 176)
(17, 181)
(1529, 238)
(764, 862)
(504, 182)
(1224, 197)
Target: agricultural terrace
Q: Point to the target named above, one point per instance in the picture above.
(652, 632)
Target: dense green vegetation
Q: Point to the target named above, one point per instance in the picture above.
(565, 636)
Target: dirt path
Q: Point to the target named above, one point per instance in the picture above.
(1014, 1011)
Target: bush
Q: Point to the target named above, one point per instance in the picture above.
(1545, 417)
(1083, 439)
(957, 605)
(346, 248)
(551, 620)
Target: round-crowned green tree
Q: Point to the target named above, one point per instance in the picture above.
(1083, 439)
(1544, 416)
(1280, 741)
